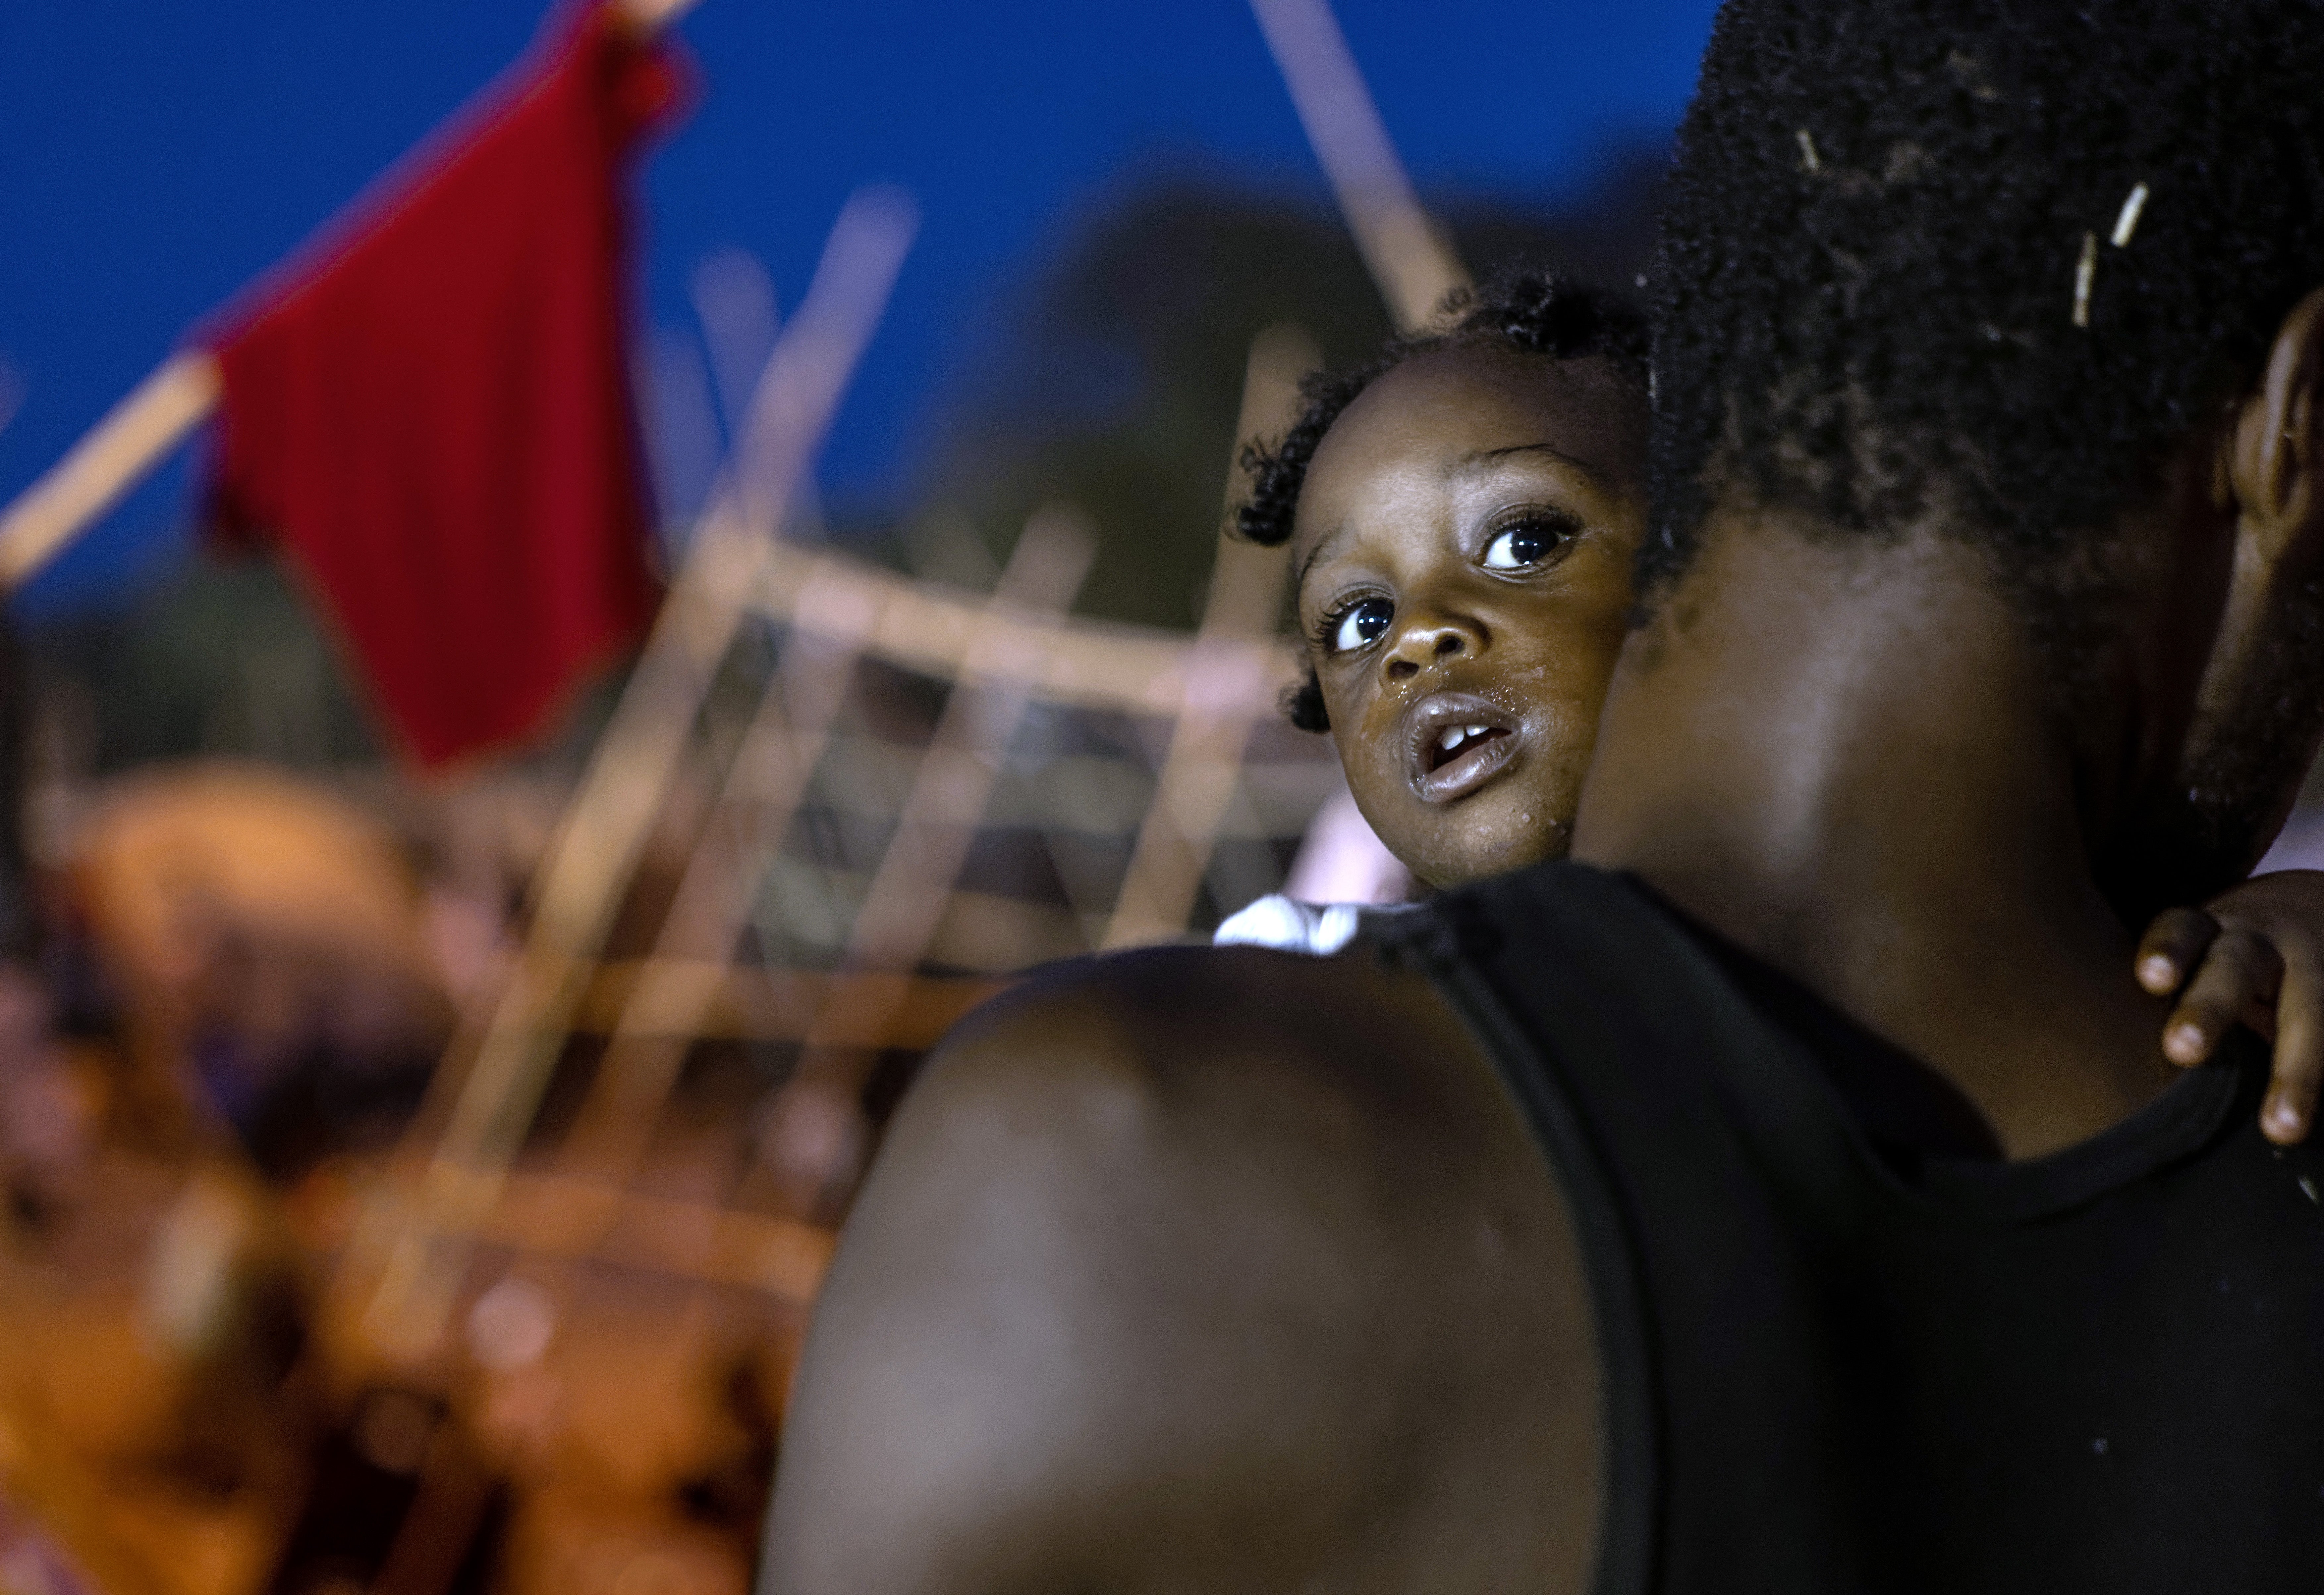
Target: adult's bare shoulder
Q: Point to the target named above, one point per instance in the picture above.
(1221, 1269)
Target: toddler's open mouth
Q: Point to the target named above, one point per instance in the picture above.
(1457, 742)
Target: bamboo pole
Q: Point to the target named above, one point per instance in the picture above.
(961, 765)
(97, 472)
(901, 909)
(1409, 255)
(652, 16)
(698, 999)
(590, 860)
(1059, 659)
(765, 785)
(563, 1219)
(1221, 701)
(155, 417)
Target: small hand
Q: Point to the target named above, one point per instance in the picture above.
(2256, 955)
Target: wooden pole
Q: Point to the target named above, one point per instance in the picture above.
(765, 785)
(953, 785)
(97, 472)
(906, 902)
(1059, 659)
(1409, 255)
(1221, 701)
(707, 999)
(558, 1222)
(651, 16)
(158, 414)
(590, 860)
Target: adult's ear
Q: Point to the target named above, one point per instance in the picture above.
(2277, 450)
(2255, 715)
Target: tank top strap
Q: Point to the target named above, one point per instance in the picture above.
(1623, 1047)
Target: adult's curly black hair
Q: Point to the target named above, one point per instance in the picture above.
(1989, 259)
(1522, 309)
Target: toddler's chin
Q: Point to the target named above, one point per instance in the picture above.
(1485, 849)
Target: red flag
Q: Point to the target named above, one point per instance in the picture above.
(434, 417)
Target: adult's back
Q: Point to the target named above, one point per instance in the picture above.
(1846, 1347)
(1184, 1271)
(1982, 616)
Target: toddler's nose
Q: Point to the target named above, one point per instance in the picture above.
(1428, 639)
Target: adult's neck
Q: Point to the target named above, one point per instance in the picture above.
(1835, 751)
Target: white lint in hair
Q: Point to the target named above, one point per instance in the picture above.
(2126, 223)
(1808, 152)
(2083, 273)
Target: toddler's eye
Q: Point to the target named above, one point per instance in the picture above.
(1361, 622)
(1529, 542)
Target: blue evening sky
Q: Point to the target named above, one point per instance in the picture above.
(154, 156)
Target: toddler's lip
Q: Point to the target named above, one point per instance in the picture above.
(1482, 738)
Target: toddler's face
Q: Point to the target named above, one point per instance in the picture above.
(1463, 552)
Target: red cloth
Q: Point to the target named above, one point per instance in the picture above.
(434, 415)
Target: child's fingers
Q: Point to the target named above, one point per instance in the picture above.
(2291, 1107)
(2172, 946)
(2239, 970)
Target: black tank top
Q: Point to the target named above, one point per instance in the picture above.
(1843, 1351)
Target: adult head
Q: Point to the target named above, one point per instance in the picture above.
(2042, 277)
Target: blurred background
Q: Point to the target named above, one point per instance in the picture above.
(416, 1179)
